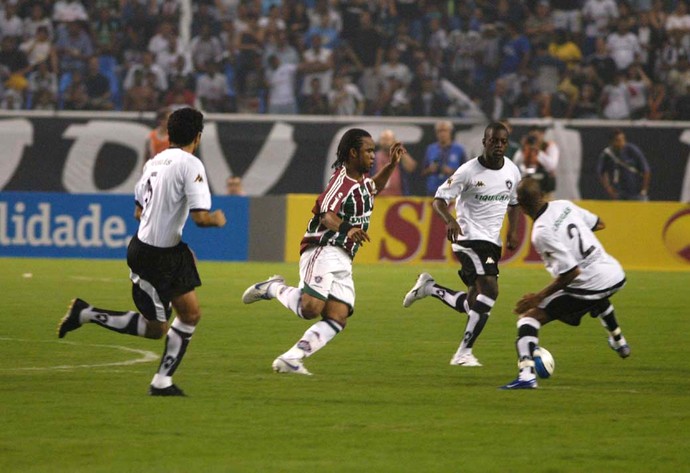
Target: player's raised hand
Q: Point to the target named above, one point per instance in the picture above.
(453, 231)
(358, 235)
(396, 152)
(527, 302)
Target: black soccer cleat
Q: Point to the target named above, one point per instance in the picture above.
(171, 390)
(71, 320)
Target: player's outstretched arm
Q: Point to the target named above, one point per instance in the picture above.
(204, 218)
(531, 300)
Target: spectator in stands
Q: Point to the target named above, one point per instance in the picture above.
(142, 95)
(73, 46)
(393, 68)
(678, 24)
(76, 96)
(249, 48)
(427, 99)
(659, 104)
(639, 87)
(345, 98)
(682, 104)
(97, 87)
(106, 30)
(623, 46)
(13, 66)
(552, 152)
(317, 62)
(40, 49)
(587, 106)
(678, 78)
(69, 11)
(539, 26)
(604, 66)
(37, 17)
(10, 23)
(598, 15)
(367, 44)
(615, 99)
(213, 89)
(565, 49)
(168, 60)
(280, 84)
(147, 67)
(567, 15)
(159, 42)
(282, 49)
(43, 86)
(315, 103)
(442, 158)
(180, 94)
(623, 169)
(205, 48)
(325, 30)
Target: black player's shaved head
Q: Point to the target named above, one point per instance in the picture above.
(530, 196)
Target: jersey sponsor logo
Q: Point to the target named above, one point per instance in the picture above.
(491, 198)
(199, 178)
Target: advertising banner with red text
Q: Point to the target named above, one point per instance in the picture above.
(641, 235)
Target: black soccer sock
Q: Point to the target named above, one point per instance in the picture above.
(176, 343)
(129, 322)
(527, 340)
(609, 322)
(453, 299)
(476, 320)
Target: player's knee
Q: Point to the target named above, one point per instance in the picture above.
(311, 307)
(156, 330)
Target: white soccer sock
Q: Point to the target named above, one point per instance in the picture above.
(290, 297)
(314, 339)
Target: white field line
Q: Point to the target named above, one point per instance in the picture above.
(146, 356)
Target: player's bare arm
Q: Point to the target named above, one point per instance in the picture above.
(381, 177)
(137, 212)
(531, 300)
(599, 226)
(453, 230)
(331, 221)
(204, 218)
(512, 240)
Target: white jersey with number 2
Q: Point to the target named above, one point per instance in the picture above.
(562, 235)
(173, 183)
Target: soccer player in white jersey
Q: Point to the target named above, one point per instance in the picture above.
(484, 189)
(585, 276)
(162, 267)
(336, 230)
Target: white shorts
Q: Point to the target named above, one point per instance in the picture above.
(325, 272)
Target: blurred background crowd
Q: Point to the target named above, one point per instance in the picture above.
(496, 59)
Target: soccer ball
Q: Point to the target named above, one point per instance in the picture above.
(544, 364)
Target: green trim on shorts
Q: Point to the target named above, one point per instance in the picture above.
(313, 293)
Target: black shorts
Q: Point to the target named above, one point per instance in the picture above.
(570, 305)
(478, 258)
(158, 275)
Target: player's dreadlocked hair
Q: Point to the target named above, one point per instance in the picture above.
(351, 139)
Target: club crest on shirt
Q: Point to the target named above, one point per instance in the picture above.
(509, 184)
(449, 181)
(199, 178)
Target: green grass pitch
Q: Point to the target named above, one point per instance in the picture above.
(383, 397)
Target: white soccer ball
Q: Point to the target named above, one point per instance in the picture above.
(544, 364)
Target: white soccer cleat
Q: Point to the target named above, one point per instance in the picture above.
(287, 365)
(259, 291)
(465, 359)
(420, 290)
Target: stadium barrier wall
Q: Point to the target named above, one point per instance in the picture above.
(94, 152)
(58, 225)
(645, 236)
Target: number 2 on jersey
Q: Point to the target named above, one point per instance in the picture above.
(573, 228)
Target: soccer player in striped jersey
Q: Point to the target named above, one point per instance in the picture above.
(585, 276)
(484, 189)
(163, 269)
(336, 230)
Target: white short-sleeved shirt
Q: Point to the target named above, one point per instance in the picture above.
(562, 235)
(482, 196)
(173, 183)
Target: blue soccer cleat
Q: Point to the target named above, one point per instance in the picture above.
(521, 384)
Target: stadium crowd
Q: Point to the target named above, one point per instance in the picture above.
(626, 59)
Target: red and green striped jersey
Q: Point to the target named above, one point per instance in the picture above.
(351, 200)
